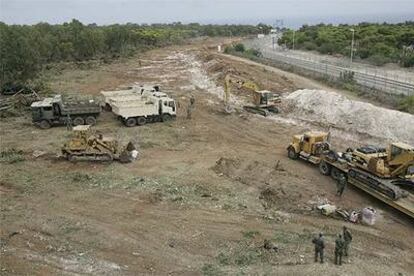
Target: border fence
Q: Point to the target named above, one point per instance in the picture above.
(325, 70)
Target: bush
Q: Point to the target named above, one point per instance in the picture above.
(379, 59)
(407, 104)
(239, 47)
(310, 46)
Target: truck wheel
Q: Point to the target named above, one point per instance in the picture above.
(130, 122)
(78, 121)
(324, 168)
(165, 117)
(292, 153)
(90, 120)
(44, 124)
(141, 121)
(335, 173)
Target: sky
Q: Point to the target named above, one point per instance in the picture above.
(293, 12)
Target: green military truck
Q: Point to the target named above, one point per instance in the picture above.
(54, 111)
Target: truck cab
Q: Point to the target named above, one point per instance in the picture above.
(309, 146)
(44, 110)
(167, 107)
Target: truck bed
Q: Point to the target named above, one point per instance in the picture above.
(80, 108)
(135, 109)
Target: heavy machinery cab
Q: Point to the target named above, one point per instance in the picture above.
(265, 98)
(309, 146)
(396, 160)
(167, 106)
(44, 109)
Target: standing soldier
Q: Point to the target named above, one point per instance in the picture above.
(190, 107)
(347, 240)
(319, 247)
(341, 183)
(339, 247)
(68, 122)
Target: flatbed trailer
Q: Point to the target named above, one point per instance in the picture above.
(403, 204)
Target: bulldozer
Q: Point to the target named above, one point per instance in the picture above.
(374, 165)
(264, 101)
(309, 146)
(87, 145)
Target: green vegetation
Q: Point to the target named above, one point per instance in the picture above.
(11, 156)
(26, 50)
(240, 50)
(407, 104)
(375, 43)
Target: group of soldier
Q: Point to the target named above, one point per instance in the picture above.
(342, 244)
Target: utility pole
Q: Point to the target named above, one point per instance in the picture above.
(293, 40)
(352, 45)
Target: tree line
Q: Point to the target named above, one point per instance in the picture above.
(375, 43)
(26, 49)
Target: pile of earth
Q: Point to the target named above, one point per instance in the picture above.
(332, 109)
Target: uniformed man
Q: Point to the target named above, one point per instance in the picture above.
(190, 107)
(68, 122)
(339, 249)
(347, 239)
(341, 183)
(319, 247)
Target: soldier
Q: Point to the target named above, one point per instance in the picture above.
(190, 107)
(319, 247)
(341, 183)
(339, 248)
(347, 239)
(68, 122)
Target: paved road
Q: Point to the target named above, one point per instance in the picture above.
(387, 80)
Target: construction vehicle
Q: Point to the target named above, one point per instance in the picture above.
(86, 145)
(55, 111)
(382, 173)
(146, 109)
(264, 102)
(309, 146)
(135, 90)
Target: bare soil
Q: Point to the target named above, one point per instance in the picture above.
(201, 199)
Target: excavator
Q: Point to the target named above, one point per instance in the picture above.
(86, 145)
(264, 101)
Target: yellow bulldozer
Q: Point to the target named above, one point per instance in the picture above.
(87, 145)
(264, 102)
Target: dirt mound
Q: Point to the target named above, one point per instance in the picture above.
(329, 108)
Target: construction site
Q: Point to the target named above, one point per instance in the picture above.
(184, 160)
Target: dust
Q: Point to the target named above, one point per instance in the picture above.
(328, 108)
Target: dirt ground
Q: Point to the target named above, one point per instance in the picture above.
(200, 200)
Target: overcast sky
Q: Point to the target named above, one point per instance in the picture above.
(294, 12)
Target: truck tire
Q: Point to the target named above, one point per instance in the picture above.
(44, 124)
(324, 168)
(141, 121)
(78, 121)
(165, 117)
(292, 154)
(130, 122)
(335, 173)
(90, 120)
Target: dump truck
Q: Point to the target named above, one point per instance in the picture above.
(87, 145)
(147, 109)
(54, 111)
(135, 90)
(384, 173)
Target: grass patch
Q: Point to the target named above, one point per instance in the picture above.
(250, 234)
(210, 270)
(11, 156)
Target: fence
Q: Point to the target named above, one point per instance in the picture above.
(365, 80)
